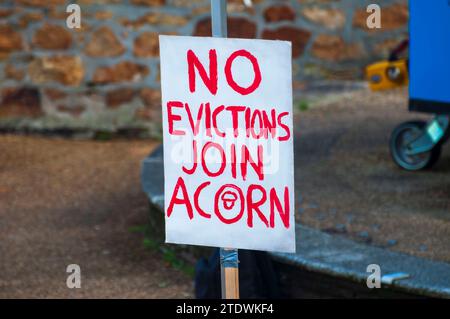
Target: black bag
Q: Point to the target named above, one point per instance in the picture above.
(257, 276)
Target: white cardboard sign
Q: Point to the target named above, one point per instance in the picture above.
(228, 149)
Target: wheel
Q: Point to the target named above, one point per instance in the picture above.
(400, 138)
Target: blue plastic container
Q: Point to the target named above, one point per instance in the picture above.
(429, 87)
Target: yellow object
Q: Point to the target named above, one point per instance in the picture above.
(387, 75)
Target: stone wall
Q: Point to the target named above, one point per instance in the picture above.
(105, 76)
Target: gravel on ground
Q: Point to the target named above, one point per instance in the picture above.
(75, 202)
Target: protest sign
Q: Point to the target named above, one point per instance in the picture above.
(228, 142)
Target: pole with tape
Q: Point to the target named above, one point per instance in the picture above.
(229, 262)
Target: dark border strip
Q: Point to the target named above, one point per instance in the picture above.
(429, 106)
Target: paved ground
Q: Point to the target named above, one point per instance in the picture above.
(64, 202)
(347, 183)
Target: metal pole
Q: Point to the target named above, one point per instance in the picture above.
(219, 18)
(229, 263)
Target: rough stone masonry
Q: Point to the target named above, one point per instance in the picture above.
(105, 75)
